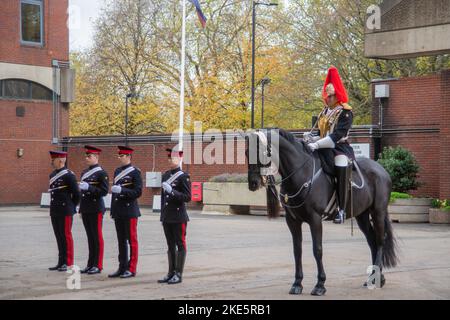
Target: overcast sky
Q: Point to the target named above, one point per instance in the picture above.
(82, 16)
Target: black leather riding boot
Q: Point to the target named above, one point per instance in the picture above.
(171, 257)
(177, 277)
(342, 192)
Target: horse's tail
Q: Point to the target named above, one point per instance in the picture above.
(390, 258)
(273, 204)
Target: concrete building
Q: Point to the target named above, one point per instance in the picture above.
(36, 87)
(408, 28)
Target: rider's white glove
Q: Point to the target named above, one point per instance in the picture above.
(84, 185)
(313, 146)
(307, 136)
(116, 189)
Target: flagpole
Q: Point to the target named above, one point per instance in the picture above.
(182, 77)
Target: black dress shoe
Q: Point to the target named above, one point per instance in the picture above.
(175, 279)
(94, 270)
(54, 268)
(85, 270)
(166, 278)
(63, 268)
(127, 274)
(115, 274)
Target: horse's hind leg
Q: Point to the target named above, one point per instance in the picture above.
(296, 231)
(378, 220)
(316, 233)
(366, 227)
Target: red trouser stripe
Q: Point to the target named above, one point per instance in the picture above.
(100, 241)
(183, 235)
(69, 239)
(133, 245)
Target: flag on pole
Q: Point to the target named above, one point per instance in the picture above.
(200, 14)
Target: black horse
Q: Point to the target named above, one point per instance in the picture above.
(306, 191)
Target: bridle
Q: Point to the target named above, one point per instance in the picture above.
(269, 180)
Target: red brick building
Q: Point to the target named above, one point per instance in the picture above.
(35, 88)
(417, 117)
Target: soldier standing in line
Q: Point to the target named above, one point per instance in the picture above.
(125, 211)
(94, 186)
(65, 196)
(176, 192)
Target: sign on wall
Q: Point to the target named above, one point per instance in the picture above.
(362, 150)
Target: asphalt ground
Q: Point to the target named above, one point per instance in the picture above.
(229, 257)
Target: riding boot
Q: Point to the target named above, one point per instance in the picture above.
(178, 276)
(171, 256)
(342, 193)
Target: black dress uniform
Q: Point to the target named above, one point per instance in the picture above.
(174, 219)
(125, 212)
(64, 197)
(92, 208)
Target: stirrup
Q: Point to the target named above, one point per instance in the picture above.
(340, 217)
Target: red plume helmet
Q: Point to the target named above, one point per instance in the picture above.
(333, 85)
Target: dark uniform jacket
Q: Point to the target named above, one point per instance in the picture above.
(341, 130)
(343, 126)
(173, 205)
(124, 204)
(64, 194)
(92, 199)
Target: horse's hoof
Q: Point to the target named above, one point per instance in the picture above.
(296, 290)
(318, 291)
(382, 282)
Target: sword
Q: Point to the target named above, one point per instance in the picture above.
(58, 188)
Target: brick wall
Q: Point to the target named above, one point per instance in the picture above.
(56, 34)
(24, 179)
(143, 158)
(444, 167)
(416, 117)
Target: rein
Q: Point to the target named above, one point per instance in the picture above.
(308, 184)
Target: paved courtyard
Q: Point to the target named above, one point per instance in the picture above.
(229, 257)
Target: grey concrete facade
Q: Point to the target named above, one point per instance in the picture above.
(410, 28)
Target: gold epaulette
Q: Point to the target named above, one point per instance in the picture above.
(346, 106)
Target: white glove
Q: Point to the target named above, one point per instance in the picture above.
(116, 189)
(167, 187)
(313, 146)
(84, 185)
(307, 136)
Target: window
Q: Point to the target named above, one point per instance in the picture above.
(24, 89)
(31, 21)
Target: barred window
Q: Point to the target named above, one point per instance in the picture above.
(32, 21)
(24, 89)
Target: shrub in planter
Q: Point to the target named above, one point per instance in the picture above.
(440, 211)
(402, 167)
(399, 195)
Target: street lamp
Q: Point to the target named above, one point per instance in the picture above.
(128, 96)
(264, 81)
(255, 3)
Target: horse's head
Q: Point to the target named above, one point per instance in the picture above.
(262, 156)
(259, 157)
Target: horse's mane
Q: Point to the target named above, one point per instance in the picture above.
(299, 144)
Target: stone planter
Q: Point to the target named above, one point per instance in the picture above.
(409, 210)
(231, 198)
(439, 216)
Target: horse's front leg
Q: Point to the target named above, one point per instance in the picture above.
(296, 231)
(316, 234)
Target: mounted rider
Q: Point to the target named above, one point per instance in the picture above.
(334, 124)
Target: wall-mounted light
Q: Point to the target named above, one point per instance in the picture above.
(20, 152)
